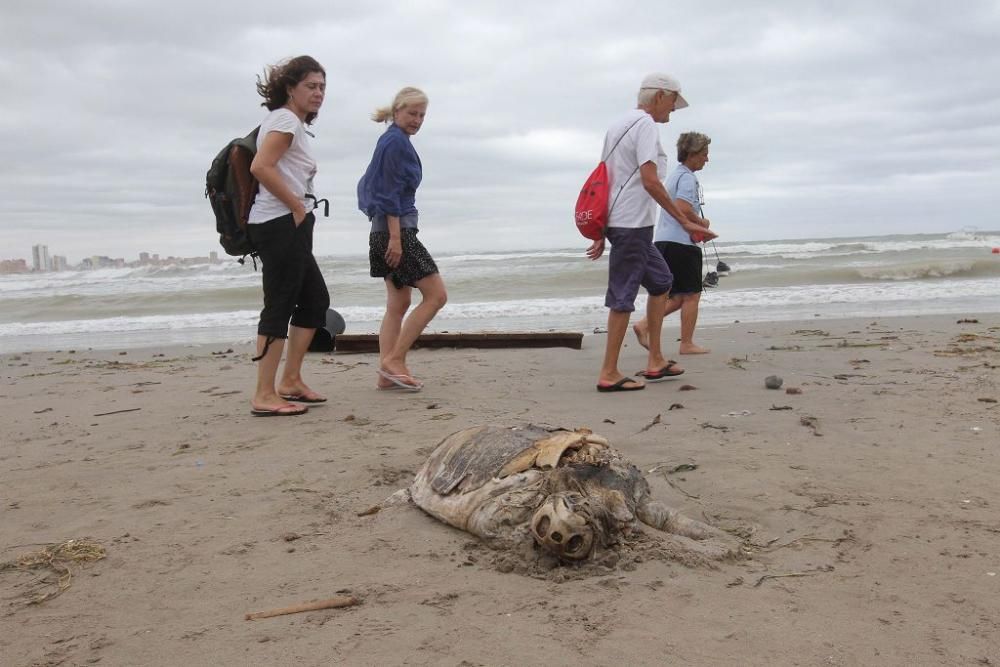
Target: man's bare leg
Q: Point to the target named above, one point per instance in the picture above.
(654, 324)
(641, 328)
(617, 326)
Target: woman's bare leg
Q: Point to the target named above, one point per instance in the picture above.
(434, 297)
(292, 383)
(265, 397)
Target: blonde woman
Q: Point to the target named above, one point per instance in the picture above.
(387, 195)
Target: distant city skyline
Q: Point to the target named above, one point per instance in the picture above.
(43, 262)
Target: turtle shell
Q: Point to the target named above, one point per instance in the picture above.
(468, 459)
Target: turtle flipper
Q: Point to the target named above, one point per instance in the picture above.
(689, 535)
(401, 497)
(669, 520)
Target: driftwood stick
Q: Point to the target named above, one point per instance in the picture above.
(116, 412)
(332, 603)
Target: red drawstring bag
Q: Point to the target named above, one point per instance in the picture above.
(592, 209)
(592, 204)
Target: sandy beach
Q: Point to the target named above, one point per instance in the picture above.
(867, 504)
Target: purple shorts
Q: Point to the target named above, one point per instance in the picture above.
(634, 261)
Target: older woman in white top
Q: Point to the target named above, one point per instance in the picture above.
(677, 239)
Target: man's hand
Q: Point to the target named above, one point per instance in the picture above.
(703, 235)
(298, 214)
(596, 249)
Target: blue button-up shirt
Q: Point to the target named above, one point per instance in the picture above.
(389, 186)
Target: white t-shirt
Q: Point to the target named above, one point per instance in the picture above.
(634, 207)
(297, 166)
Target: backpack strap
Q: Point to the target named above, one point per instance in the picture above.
(612, 207)
(317, 202)
(267, 344)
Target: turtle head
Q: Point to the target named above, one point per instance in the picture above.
(563, 527)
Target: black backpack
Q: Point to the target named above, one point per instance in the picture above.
(231, 190)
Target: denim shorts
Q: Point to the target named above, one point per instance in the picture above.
(634, 261)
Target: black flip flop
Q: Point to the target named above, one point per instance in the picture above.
(620, 386)
(299, 398)
(662, 374)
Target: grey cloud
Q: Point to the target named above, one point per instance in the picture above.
(847, 118)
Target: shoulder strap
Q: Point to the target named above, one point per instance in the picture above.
(622, 187)
(249, 142)
(620, 139)
(612, 207)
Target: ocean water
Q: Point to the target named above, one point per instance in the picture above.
(507, 291)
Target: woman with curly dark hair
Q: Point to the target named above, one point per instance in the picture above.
(281, 230)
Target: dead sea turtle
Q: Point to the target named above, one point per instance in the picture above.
(569, 491)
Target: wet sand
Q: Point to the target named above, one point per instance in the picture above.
(867, 502)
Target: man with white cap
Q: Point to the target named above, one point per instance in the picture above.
(632, 154)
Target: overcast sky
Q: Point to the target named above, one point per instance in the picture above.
(827, 119)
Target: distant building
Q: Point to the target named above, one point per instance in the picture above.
(144, 258)
(13, 266)
(213, 257)
(59, 263)
(40, 260)
(101, 262)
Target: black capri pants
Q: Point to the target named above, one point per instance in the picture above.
(294, 289)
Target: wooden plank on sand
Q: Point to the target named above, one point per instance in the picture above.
(485, 340)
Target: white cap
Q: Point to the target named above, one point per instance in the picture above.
(660, 81)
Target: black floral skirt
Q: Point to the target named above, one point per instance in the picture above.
(415, 264)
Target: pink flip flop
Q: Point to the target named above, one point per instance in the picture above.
(282, 411)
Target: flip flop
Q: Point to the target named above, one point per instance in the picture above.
(402, 380)
(283, 411)
(662, 374)
(391, 387)
(620, 386)
(302, 398)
